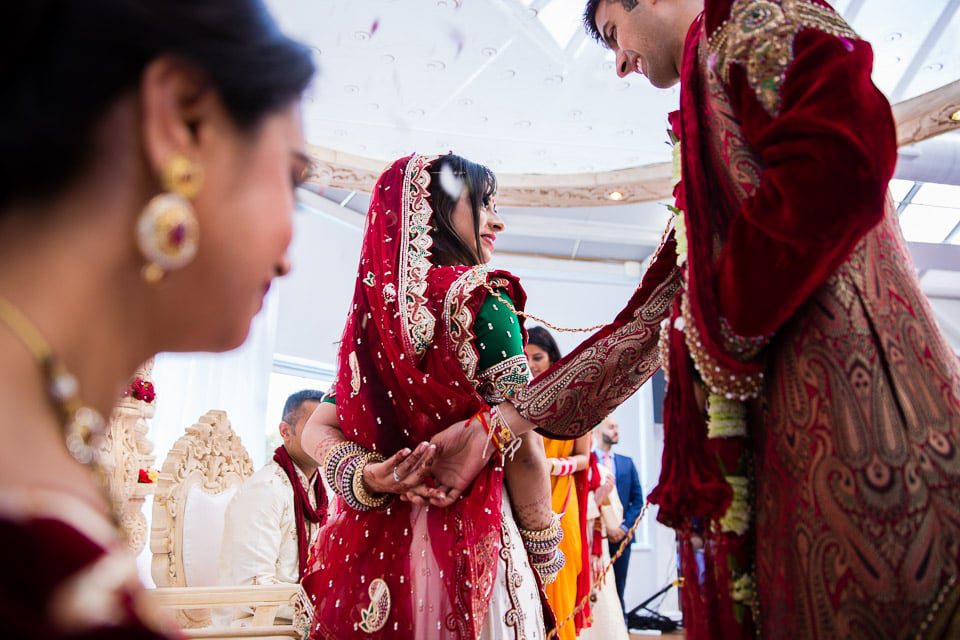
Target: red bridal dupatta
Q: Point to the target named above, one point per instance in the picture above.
(403, 377)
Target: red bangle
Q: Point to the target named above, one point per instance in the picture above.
(564, 467)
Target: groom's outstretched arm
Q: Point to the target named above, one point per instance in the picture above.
(583, 388)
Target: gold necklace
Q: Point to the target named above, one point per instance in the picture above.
(530, 316)
(82, 425)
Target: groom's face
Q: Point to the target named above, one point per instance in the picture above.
(637, 33)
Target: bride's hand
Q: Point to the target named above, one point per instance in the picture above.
(460, 458)
(400, 472)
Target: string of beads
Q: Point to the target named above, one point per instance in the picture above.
(530, 316)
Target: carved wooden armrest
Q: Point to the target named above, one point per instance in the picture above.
(265, 600)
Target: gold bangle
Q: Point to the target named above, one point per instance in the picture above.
(545, 534)
(364, 497)
(336, 456)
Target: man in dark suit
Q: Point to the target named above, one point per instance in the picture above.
(631, 495)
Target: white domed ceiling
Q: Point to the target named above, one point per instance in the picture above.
(518, 85)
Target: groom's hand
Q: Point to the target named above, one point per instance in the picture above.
(458, 460)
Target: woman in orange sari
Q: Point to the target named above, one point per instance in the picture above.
(568, 460)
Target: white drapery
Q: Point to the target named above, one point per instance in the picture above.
(190, 384)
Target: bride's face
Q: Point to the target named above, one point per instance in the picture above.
(490, 225)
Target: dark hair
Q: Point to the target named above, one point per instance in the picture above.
(541, 337)
(64, 62)
(291, 408)
(590, 20)
(481, 185)
(590, 17)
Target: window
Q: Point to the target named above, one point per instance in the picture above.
(289, 375)
(929, 211)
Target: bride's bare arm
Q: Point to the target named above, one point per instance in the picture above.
(321, 433)
(528, 482)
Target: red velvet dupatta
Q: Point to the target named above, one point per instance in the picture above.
(403, 365)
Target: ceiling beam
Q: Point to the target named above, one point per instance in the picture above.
(853, 11)
(908, 199)
(318, 204)
(638, 184)
(929, 256)
(582, 230)
(918, 119)
(926, 255)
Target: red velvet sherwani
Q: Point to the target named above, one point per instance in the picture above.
(833, 510)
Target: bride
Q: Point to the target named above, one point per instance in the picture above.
(432, 337)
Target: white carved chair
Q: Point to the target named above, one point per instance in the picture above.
(199, 477)
(124, 451)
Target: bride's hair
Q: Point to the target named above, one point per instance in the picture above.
(480, 185)
(64, 63)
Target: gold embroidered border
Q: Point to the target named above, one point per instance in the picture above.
(759, 36)
(730, 385)
(514, 617)
(504, 380)
(743, 347)
(418, 322)
(458, 317)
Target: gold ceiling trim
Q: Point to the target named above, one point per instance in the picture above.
(918, 119)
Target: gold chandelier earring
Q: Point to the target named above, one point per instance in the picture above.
(167, 231)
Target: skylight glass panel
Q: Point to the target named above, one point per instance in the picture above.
(925, 223)
(562, 19)
(899, 189)
(939, 195)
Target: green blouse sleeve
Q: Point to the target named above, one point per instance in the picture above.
(330, 397)
(503, 369)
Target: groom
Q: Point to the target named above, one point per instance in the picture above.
(791, 299)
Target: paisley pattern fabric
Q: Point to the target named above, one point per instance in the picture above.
(586, 385)
(855, 438)
(858, 456)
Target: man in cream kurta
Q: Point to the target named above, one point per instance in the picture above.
(260, 540)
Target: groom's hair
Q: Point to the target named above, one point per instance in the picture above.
(291, 408)
(590, 16)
